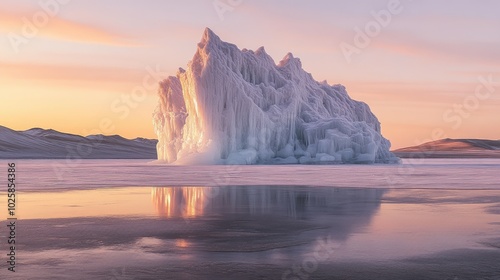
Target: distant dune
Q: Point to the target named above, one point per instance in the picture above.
(37, 143)
(453, 148)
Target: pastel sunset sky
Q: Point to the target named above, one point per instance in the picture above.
(91, 66)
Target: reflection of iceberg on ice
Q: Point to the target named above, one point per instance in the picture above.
(185, 202)
(262, 218)
(295, 202)
(238, 107)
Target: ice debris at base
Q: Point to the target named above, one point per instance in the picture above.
(233, 106)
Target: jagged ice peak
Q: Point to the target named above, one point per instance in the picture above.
(232, 106)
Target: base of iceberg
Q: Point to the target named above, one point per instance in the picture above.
(233, 106)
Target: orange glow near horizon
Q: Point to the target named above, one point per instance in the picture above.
(74, 100)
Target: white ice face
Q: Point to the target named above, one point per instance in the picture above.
(234, 106)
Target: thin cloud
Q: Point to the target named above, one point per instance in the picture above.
(61, 29)
(54, 72)
(486, 53)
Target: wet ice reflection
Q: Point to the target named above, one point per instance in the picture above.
(293, 202)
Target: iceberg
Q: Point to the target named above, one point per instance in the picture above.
(233, 106)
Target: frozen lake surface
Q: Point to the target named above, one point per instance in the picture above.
(114, 219)
(41, 175)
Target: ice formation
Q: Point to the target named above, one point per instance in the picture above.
(233, 106)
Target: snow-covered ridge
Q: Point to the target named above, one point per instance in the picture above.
(38, 143)
(453, 148)
(237, 106)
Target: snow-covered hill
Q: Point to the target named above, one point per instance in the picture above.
(453, 148)
(239, 107)
(37, 143)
